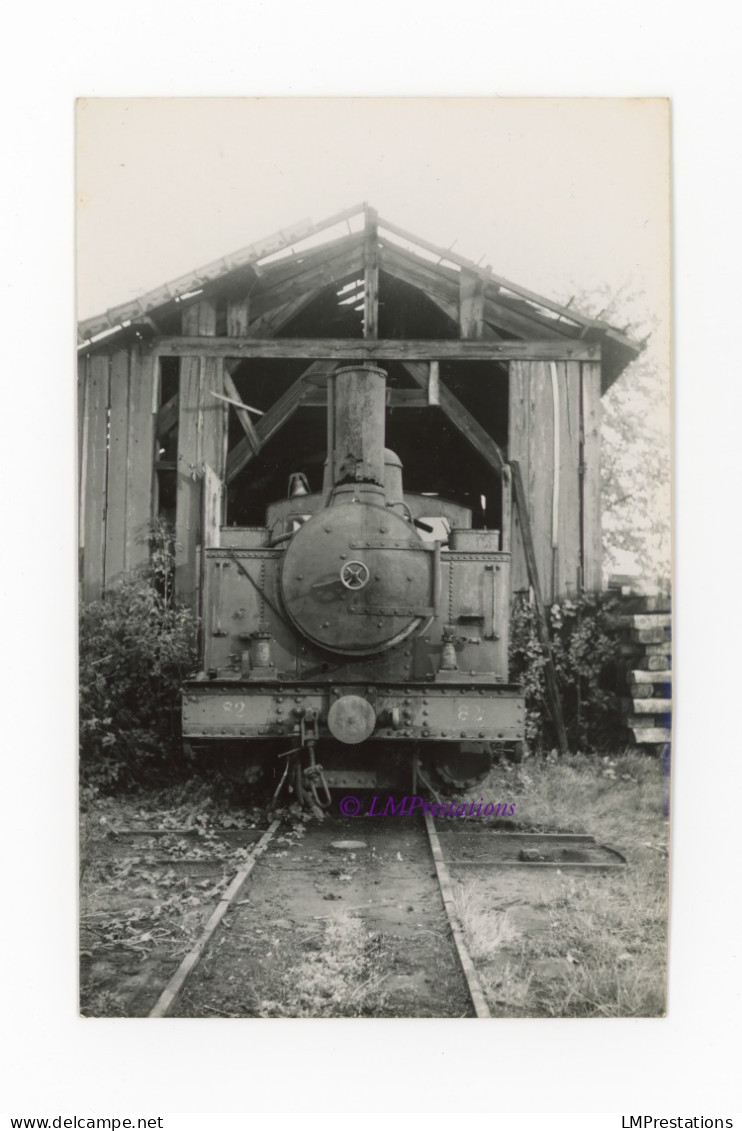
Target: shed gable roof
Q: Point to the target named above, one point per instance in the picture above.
(287, 271)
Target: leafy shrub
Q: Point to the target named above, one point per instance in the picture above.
(136, 646)
(585, 651)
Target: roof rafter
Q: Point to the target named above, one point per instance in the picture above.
(276, 416)
(246, 256)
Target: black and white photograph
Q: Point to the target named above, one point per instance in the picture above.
(374, 516)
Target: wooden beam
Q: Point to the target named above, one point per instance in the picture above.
(591, 532)
(95, 474)
(395, 398)
(276, 416)
(461, 418)
(195, 279)
(329, 270)
(242, 414)
(371, 276)
(434, 383)
(83, 369)
(167, 417)
(198, 318)
(118, 437)
(421, 275)
(488, 277)
(552, 689)
(274, 320)
(282, 270)
(238, 315)
(471, 304)
(442, 286)
(140, 452)
(354, 349)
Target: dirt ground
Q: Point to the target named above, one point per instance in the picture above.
(326, 931)
(336, 931)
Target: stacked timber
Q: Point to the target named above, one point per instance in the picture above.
(644, 624)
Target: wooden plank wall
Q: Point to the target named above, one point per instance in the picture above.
(201, 439)
(531, 442)
(94, 478)
(116, 451)
(591, 517)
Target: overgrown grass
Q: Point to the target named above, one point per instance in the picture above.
(339, 978)
(601, 946)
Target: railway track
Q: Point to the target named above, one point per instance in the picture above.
(295, 880)
(170, 995)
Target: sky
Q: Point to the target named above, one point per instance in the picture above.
(560, 195)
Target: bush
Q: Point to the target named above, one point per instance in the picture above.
(136, 646)
(586, 659)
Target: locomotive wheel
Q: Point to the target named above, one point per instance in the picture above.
(517, 753)
(462, 765)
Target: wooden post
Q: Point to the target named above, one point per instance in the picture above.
(371, 275)
(118, 435)
(590, 517)
(471, 304)
(242, 414)
(95, 479)
(434, 384)
(140, 454)
(238, 316)
(552, 689)
(200, 319)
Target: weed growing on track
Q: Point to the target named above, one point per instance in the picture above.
(600, 949)
(338, 979)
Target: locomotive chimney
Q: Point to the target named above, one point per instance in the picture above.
(356, 405)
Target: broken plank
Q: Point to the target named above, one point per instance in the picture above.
(167, 417)
(276, 416)
(242, 414)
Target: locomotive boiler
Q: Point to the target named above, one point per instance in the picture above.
(359, 638)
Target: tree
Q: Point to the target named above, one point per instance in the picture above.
(636, 443)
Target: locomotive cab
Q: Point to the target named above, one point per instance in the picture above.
(362, 624)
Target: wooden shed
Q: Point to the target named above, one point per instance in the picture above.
(199, 399)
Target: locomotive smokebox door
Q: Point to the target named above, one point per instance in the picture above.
(356, 579)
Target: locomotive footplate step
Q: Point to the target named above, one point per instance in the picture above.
(469, 848)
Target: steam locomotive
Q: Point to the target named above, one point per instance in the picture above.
(363, 626)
